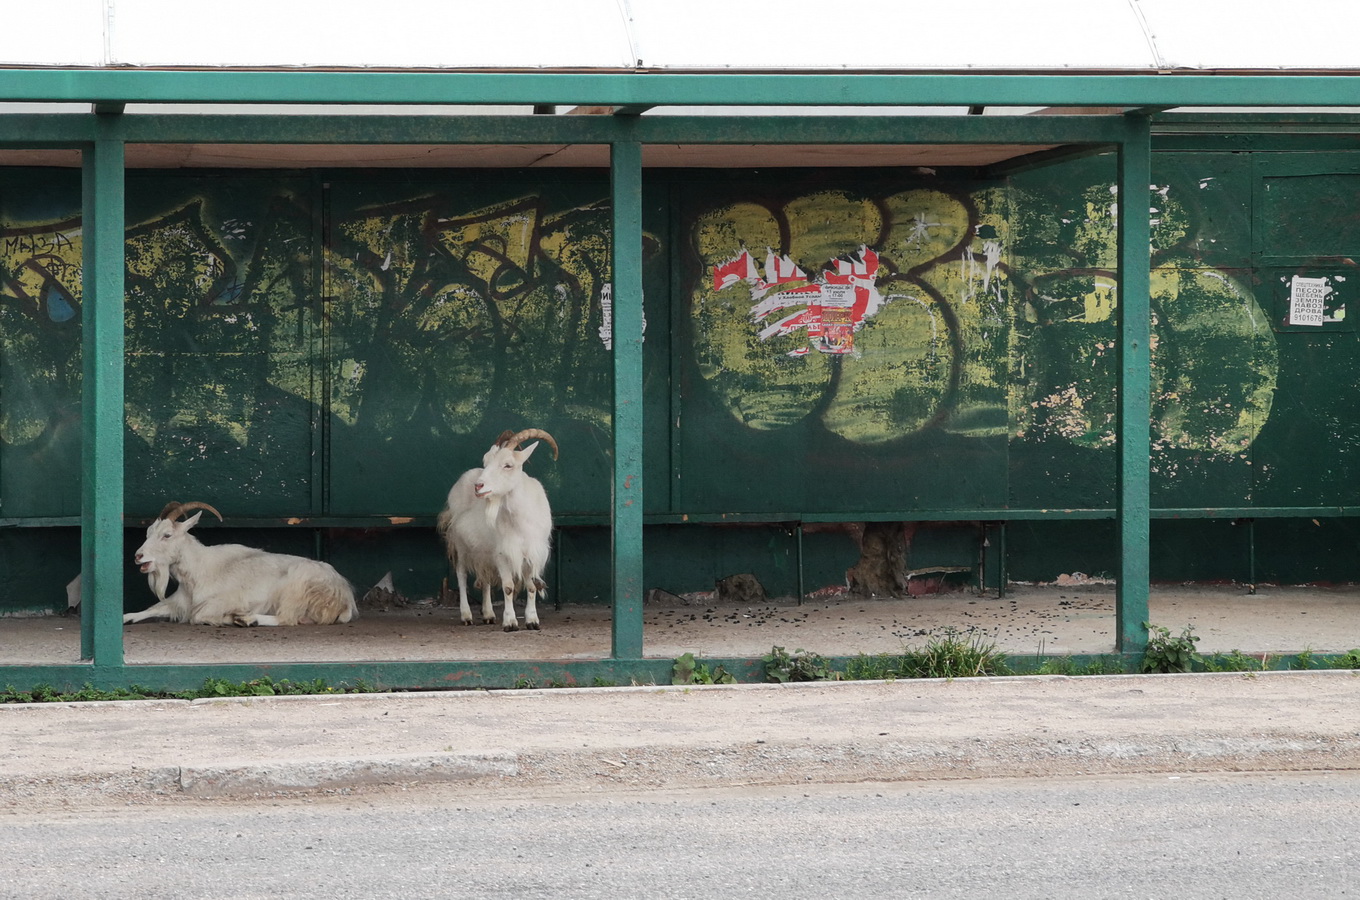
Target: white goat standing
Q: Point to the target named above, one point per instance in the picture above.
(231, 584)
(498, 524)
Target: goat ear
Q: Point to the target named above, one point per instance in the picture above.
(524, 454)
(191, 521)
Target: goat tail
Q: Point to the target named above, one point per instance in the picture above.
(316, 595)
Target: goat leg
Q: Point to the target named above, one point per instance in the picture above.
(161, 610)
(531, 605)
(508, 620)
(464, 610)
(488, 609)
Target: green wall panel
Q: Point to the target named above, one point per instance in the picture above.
(683, 559)
(1303, 551)
(37, 564)
(1309, 452)
(40, 361)
(1042, 551)
(1204, 550)
(848, 339)
(459, 305)
(222, 342)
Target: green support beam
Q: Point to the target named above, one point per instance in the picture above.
(102, 397)
(629, 89)
(1133, 478)
(625, 169)
(40, 131)
(493, 129)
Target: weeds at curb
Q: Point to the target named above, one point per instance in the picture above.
(1166, 654)
(212, 687)
(688, 670)
(949, 655)
(800, 665)
(1236, 661)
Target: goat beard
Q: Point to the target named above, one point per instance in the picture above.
(159, 579)
(493, 509)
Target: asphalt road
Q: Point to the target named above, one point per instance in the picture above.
(1206, 835)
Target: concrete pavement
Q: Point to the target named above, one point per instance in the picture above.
(638, 738)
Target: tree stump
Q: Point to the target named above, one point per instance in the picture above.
(882, 567)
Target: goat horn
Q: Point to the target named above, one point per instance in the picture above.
(174, 509)
(514, 440)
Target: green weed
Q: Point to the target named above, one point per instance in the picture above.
(1236, 661)
(212, 687)
(688, 670)
(1348, 660)
(1167, 654)
(800, 665)
(948, 655)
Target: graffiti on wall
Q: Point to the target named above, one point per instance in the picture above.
(456, 312)
(39, 304)
(401, 318)
(884, 314)
(415, 317)
(842, 321)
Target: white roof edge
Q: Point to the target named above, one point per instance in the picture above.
(789, 36)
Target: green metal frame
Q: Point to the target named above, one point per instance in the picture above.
(1146, 93)
(102, 136)
(102, 398)
(1133, 427)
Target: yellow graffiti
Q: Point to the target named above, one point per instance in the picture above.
(904, 366)
(490, 240)
(1098, 304)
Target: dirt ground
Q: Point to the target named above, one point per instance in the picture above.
(1052, 620)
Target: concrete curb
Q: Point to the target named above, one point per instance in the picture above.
(271, 776)
(544, 693)
(329, 774)
(663, 736)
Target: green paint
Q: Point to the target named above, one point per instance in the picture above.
(102, 399)
(1132, 485)
(653, 89)
(625, 188)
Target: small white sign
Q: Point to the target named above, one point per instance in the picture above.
(1305, 300)
(838, 296)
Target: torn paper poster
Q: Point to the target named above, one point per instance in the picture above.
(1306, 300)
(607, 317)
(830, 308)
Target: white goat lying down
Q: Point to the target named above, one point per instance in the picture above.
(498, 524)
(231, 584)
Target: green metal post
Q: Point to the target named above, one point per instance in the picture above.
(1135, 379)
(102, 301)
(625, 169)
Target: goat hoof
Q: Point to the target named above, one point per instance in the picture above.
(531, 626)
(513, 626)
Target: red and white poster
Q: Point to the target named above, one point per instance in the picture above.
(830, 308)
